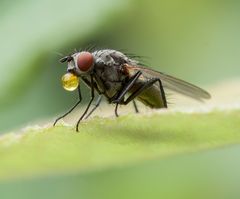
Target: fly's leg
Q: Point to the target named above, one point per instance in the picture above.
(95, 107)
(100, 82)
(116, 110)
(146, 86)
(126, 88)
(135, 106)
(78, 102)
(89, 104)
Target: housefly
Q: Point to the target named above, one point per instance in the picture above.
(121, 79)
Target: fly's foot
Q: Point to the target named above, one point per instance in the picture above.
(77, 128)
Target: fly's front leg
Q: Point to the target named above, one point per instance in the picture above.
(100, 92)
(89, 104)
(78, 102)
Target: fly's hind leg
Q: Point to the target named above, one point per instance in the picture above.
(77, 103)
(145, 86)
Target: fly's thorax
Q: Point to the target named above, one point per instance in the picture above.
(111, 77)
(112, 57)
(109, 66)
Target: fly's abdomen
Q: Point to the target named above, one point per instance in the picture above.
(150, 97)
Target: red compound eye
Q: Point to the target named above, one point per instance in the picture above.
(85, 61)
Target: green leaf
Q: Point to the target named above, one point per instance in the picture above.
(106, 143)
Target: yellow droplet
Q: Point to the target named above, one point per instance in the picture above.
(70, 82)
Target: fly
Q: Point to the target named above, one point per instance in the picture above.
(121, 79)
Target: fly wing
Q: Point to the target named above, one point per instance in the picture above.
(175, 84)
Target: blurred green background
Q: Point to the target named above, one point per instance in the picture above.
(195, 40)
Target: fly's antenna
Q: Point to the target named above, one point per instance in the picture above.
(62, 58)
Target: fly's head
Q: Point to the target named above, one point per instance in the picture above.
(79, 64)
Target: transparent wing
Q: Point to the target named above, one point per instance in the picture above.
(174, 84)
